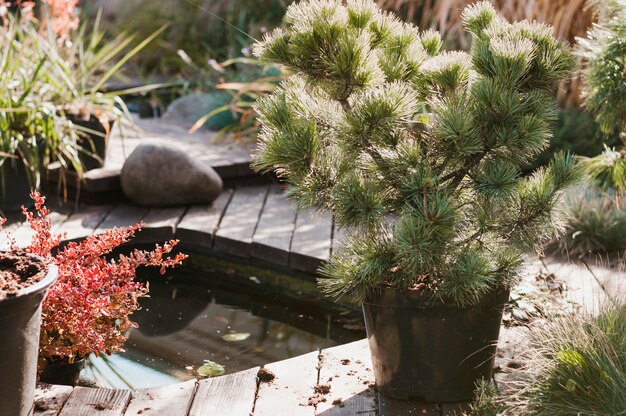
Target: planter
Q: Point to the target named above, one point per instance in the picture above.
(95, 142)
(62, 372)
(20, 317)
(14, 186)
(430, 349)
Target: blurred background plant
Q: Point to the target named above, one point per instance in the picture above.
(32, 133)
(597, 221)
(243, 90)
(595, 224)
(604, 71)
(203, 29)
(54, 103)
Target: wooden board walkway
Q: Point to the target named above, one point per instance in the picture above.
(336, 381)
(248, 222)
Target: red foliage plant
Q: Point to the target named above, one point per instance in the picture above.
(87, 309)
(60, 14)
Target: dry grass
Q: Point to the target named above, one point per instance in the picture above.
(570, 18)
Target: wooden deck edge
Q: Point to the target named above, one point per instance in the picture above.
(108, 180)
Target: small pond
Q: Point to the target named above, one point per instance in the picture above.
(184, 323)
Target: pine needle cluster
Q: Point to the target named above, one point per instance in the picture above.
(416, 151)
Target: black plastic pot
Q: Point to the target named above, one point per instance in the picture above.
(436, 351)
(16, 192)
(95, 143)
(60, 372)
(20, 318)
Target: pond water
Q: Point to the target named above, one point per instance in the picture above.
(183, 324)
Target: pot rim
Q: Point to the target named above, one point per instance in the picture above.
(394, 297)
(38, 287)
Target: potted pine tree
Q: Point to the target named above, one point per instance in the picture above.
(417, 154)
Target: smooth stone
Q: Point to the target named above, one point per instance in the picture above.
(190, 108)
(160, 174)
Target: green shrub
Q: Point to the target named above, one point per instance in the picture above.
(595, 224)
(417, 152)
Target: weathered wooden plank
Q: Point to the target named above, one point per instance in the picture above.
(173, 400)
(7, 234)
(311, 241)
(84, 221)
(292, 388)
(392, 407)
(234, 235)
(581, 286)
(229, 395)
(123, 215)
(86, 401)
(512, 344)
(160, 224)
(347, 370)
(198, 225)
(23, 234)
(272, 238)
(49, 399)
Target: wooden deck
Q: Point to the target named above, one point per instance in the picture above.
(336, 381)
(249, 222)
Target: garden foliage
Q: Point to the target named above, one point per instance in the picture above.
(416, 152)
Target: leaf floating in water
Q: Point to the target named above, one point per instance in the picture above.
(236, 336)
(211, 369)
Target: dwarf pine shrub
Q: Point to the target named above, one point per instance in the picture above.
(416, 151)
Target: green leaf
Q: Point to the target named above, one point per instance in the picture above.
(236, 336)
(211, 369)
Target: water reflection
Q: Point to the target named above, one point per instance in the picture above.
(182, 324)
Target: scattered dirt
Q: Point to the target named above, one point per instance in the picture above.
(19, 271)
(337, 402)
(41, 406)
(345, 361)
(537, 297)
(265, 376)
(322, 388)
(101, 406)
(316, 399)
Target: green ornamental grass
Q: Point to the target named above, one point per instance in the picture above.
(577, 366)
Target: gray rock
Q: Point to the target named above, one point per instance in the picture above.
(158, 174)
(190, 108)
